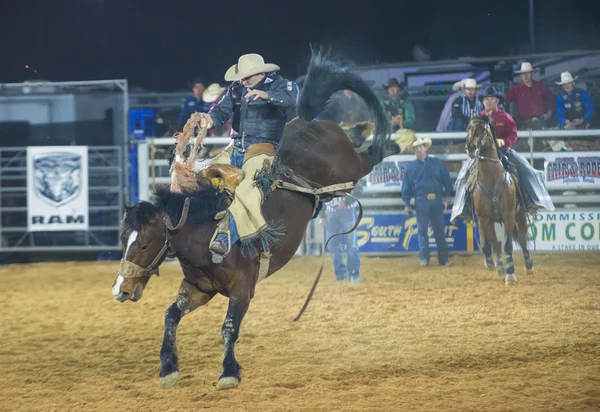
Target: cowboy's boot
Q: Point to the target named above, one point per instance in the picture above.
(219, 246)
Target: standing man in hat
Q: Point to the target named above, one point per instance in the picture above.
(535, 102)
(257, 100)
(193, 103)
(398, 106)
(504, 130)
(446, 116)
(428, 181)
(465, 105)
(574, 108)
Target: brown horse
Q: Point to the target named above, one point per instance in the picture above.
(495, 199)
(319, 151)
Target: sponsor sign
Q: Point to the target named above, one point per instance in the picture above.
(387, 232)
(57, 188)
(572, 170)
(387, 176)
(561, 230)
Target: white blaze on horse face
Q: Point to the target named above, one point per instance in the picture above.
(132, 238)
(117, 288)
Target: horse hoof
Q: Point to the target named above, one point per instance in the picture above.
(510, 279)
(501, 271)
(169, 380)
(229, 382)
(530, 271)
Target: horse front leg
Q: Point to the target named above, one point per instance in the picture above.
(487, 246)
(510, 278)
(238, 305)
(188, 299)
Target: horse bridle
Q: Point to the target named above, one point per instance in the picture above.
(481, 142)
(129, 269)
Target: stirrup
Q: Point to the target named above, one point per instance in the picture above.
(218, 257)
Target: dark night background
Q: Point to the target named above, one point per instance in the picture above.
(160, 45)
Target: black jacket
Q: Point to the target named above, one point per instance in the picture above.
(259, 119)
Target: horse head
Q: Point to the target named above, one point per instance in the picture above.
(480, 137)
(145, 241)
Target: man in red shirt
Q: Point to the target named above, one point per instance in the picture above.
(504, 130)
(535, 102)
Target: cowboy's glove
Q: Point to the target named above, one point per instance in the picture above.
(500, 142)
(206, 122)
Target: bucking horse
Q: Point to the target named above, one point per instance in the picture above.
(318, 159)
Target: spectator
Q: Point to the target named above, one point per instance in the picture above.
(345, 108)
(398, 106)
(446, 116)
(465, 105)
(211, 96)
(193, 104)
(574, 109)
(428, 181)
(534, 100)
(340, 216)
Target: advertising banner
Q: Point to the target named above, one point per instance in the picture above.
(570, 170)
(57, 188)
(387, 232)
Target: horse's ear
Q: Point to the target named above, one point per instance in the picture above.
(127, 208)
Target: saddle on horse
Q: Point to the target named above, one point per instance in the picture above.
(530, 186)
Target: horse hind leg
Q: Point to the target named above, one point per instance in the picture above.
(188, 299)
(522, 229)
(238, 306)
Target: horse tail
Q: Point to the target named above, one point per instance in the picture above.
(325, 77)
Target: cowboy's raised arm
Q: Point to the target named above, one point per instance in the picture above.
(283, 93)
(223, 110)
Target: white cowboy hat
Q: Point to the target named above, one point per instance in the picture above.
(526, 68)
(212, 92)
(470, 84)
(426, 142)
(565, 78)
(458, 85)
(249, 65)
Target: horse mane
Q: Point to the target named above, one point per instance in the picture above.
(323, 79)
(205, 203)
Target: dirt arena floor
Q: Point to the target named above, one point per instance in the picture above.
(404, 338)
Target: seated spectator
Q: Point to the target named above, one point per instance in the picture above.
(211, 96)
(465, 105)
(192, 104)
(398, 106)
(534, 100)
(446, 116)
(574, 108)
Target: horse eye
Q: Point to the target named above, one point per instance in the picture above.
(144, 248)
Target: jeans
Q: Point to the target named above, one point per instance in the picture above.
(431, 211)
(338, 222)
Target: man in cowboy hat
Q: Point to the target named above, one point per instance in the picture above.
(465, 105)
(574, 108)
(535, 102)
(193, 103)
(504, 130)
(428, 181)
(257, 100)
(446, 115)
(398, 106)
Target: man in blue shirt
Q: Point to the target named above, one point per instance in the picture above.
(193, 104)
(574, 108)
(428, 181)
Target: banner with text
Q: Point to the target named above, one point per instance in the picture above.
(387, 176)
(388, 232)
(57, 188)
(561, 230)
(572, 170)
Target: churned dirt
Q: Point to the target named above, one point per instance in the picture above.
(404, 338)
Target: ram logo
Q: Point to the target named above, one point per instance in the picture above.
(57, 177)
